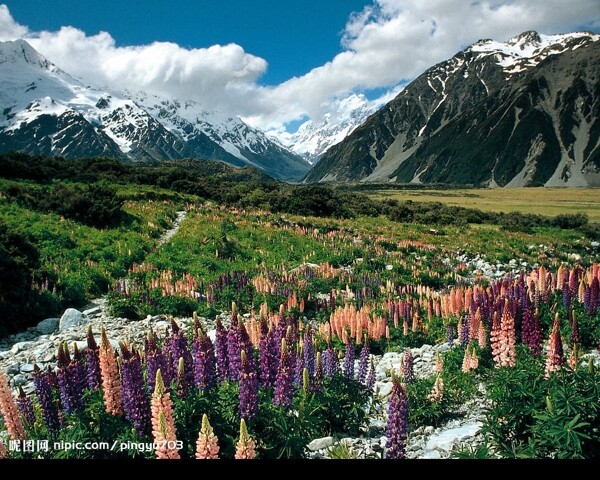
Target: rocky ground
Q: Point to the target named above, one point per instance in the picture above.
(38, 345)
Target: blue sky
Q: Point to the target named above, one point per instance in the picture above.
(274, 63)
(293, 36)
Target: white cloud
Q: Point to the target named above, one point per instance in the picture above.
(388, 43)
(9, 29)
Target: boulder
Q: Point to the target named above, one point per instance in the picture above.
(71, 318)
(47, 326)
(320, 443)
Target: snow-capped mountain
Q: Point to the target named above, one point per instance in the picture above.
(515, 113)
(44, 110)
(312, 139)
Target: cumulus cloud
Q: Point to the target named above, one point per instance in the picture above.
(386, 45)
(9, 29)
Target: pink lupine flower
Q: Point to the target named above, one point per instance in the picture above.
(207, 446)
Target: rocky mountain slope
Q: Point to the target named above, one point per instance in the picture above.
(524, 112)
(44, 110)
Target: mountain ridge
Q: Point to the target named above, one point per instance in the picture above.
(440, 127)
(47, 111)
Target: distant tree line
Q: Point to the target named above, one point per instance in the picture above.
(97, 203)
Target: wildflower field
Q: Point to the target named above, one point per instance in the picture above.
(286, 314)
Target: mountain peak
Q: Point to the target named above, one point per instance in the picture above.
(19, 51)
(525, 39)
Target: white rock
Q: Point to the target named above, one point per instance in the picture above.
(320, 443)
(71, 318)
(27, 368)
(446, 439)
(432, 455)
(47, 326)
(92, 311)
(384, 388)
(20, 346)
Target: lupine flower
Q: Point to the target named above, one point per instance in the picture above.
(330, 362)
(136, 403)
(305, 381)
(9, 411)
(182, 386)
(574, 357)
(463, 331)
(439, 363)
(555, 359)
(408, 366)
(92, 363)
(248, 396)
(575, 337)
(245, 447)
(594, 296)
(370, 381)
(25, 406)
(204, 361)
(180, 349)
(221, 350)
(283, 383)
(481, 336)
(234, 350)
(317, 383)
(267, 356)
(437, 393)
(397, 423)
(508, 354)
(43, 389)
(349, 361)
(207, 445)
(298, 368)
(111, 381)
(363, 362)
(470, 360)
(531, 331)
(71, 374)
(155, 360)
(163, 424)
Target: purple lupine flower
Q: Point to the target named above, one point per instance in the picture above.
(43, 389)
(248, 396)
(204, 361)
(234, 350)
(25, 406)
(298, 368)
(330, 362)
(156, 360)
(594, 301)
(136, 402)
(283, 382)
(71, 379)
(531, 331)
(267, 356)
(308, 352)
(180, 349)
(450, 335)
(408, 366)
(464, 332)
(363, 362)
(575, 336)
(92, 363)
(397, 423)
(349, 361)
(566, 296)
(221, 350)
